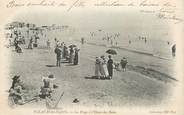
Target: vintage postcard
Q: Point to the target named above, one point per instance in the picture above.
(91, 57)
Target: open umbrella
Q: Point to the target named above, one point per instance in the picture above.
(72, 45)
(111, 51)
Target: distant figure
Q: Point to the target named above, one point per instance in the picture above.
(18, 49)
(64, 51)
(168, 42)
(145, 40)
(82, 40)
(111, 42)
(71, 57)
(124, 63)
(76, 57)
(117, 66)
(174, 50)
(62, 47)
(129, 41)
(15, 43)
(58, 56)
(30, 45)
(97, 67)
(48, 43)
(110, 67)
(116, 43)
(66, 54)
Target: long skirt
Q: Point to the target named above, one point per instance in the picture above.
(76, 59)
(97, 70)
(30, 46)
(110, 70)
(71, 58)
(103, 70)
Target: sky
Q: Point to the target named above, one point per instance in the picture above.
(130, 22)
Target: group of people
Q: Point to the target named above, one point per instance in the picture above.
(16, 91)
(17, 95)
(122, 64)
(70, 54)
(103, 68)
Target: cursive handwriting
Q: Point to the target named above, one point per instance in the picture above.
(148, 3)
(109, 3)
(172, 17)
(162, 10)
(42, 3)
(13, 3)
(77, 3)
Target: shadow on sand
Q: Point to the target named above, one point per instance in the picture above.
(50, 65)
(64, 62)
(97, 78)
(70, 64)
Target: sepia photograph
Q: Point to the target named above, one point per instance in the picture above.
(111, 56)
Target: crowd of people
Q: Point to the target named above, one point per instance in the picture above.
(104, 68)
(69, 53)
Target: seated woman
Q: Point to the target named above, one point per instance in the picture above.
(15, 92)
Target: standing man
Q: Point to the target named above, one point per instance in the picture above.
(58, 56)
(110, 67)
(174, 50)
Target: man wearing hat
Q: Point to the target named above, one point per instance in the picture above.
(110, 67)
(58, 55)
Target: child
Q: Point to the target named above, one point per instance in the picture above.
(124, 63)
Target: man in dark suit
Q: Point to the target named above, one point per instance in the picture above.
(58, 56)
(110, 67)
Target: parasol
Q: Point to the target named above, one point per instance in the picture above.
(72, 45)
(111, 51)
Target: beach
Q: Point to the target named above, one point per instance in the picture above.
(130, 88)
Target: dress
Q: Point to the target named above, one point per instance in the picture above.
(76, 57)
(110, 67)
(104, 70)
(30, 46)
(97, 68)
(71, 55)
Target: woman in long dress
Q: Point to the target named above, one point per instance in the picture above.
(76, 57)
(97, 68)
(104, 70)
(71, 58)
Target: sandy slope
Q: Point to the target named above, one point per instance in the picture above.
(129, 88)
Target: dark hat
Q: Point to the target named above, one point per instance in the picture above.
(75, 100)
(102, 56)
(51, 76)
(16, 77)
